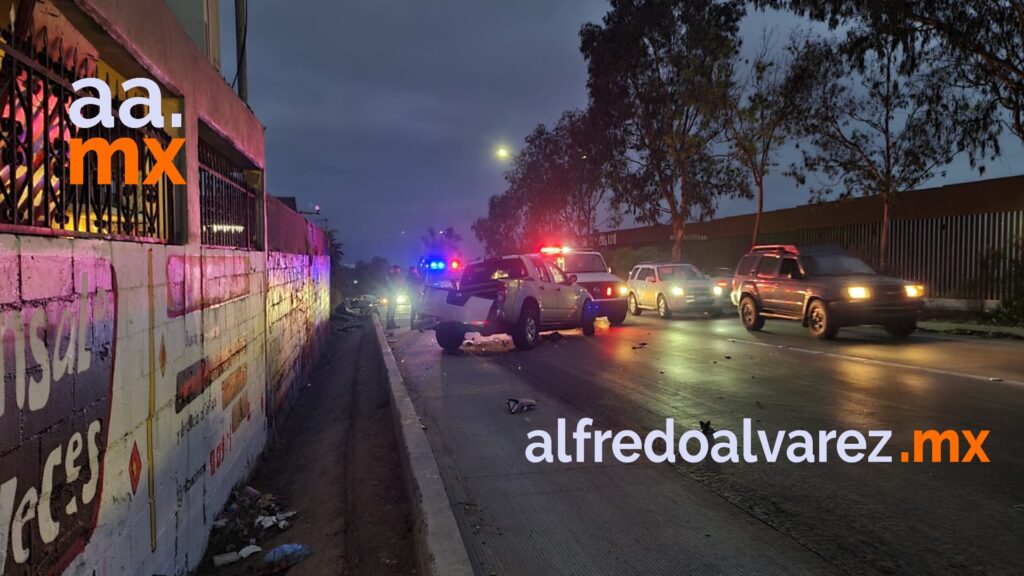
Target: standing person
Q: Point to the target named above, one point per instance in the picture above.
(394, 286)
(413, 284)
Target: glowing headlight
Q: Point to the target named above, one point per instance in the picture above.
(677, 291)
(383, 301)
(858, 292)
(623, 290)
(401, 299)
(914, 291)
(717, 290)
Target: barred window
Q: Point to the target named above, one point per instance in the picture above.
(228, 201)
(36, 196)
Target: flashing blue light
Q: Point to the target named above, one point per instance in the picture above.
(436, 265)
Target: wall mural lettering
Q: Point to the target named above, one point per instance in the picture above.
(57, 363)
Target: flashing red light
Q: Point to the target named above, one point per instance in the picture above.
(723, 283)
(455, 265)
(555, 250)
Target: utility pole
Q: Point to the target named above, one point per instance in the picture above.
(241, 33)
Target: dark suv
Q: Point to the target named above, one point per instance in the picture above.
(825, 288)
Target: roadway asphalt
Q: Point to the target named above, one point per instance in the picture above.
(744, 518)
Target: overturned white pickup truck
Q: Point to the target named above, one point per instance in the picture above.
(517, 295)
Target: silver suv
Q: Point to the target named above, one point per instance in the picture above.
(671, 288)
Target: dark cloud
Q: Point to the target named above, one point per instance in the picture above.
(386, 112)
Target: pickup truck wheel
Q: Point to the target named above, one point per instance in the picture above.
(750, 315)
(587, 318)
(617, 318)
(819, 323)
(663, 310)
(634, 306)
(901, 328)
(449, 337)
(526, 331)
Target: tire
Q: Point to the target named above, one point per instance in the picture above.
(587, 319)
(617, 318)
(819, 322)
(449, 337)
(526, 332)
(663, 310)
(633, 305)
(901, 328)
(750, 315)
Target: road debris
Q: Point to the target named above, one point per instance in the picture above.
(706, 428)
(287, 555)
(517, 405)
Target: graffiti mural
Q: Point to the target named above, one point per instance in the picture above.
(57, 362)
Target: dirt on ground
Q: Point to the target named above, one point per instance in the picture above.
(334, 461)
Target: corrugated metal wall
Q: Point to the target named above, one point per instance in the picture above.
(962, 241)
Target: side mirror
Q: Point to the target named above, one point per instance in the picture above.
(570, 279)
(796, 275)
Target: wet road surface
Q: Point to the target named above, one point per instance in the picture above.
(783, 518)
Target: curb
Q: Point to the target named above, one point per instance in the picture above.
(439, 547)
(983, 330)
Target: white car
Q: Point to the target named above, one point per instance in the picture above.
(519, 295)
(671, 288)
(607, 289)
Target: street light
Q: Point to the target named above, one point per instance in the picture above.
(502, 153)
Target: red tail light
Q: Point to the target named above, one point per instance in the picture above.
(723, 283)
(608, 291)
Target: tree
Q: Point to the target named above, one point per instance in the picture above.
(444, 241)
(660, 73)
(501, 230)
(982, 41)
(557, 188)
(761, 110)
(880, 121)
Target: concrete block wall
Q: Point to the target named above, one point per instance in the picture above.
(138, 380)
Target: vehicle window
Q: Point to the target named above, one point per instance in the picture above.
(490, 270)
(632, 274)
(581, 262)
(746, 265)
(678, 273)
(836, 265)
(768, 266)
(789, 268)
(645, 273)
(540, 269)
(557, 276)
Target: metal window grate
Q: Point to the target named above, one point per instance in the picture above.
(228, 201)
(35, 130)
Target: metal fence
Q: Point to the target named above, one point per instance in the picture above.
(36, 196)
(228, 202)
(963, 241)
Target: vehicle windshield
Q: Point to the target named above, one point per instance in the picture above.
(582, 262)
(835, 265)
(678, 273)
(490, 270)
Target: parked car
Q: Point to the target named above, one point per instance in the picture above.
(607, 290)
(825, 288)
(721, 279)
(520, 295)
(670, 288)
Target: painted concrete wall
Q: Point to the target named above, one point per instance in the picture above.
(138, 384)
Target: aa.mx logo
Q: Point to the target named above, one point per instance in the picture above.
(152, 115)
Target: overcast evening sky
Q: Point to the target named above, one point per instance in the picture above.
(386, 113)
